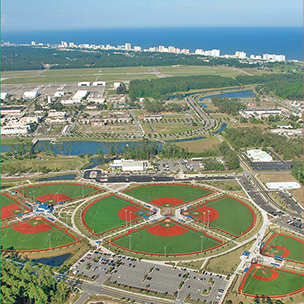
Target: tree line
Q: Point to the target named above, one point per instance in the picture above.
(163, 88)
(33, 58)
(228, 105)
(254, 137)
(30, 284)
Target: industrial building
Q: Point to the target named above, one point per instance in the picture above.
(79, 95)
(4, 95)
(99, 83)
(84, 84)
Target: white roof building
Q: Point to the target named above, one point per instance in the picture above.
(130, 164)
(283, 185)
(58, 94)
(80, 94)
(30, 95)
(84, 84)
(4, 95)
(257, 155)
(99, 83)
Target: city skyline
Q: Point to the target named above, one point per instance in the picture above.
(64, 15)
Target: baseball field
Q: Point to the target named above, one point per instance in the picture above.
(10, 207)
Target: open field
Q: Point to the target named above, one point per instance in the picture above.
(168, 195)
(54, 192)
(262, 280)
(227, 263)
(35, 234)
(62, 79)
(123, 128)
(111, 212)
(5, 74)
(56, 163)
(285, 246)
(167, 128)
(199, 145)
(226, 214)
(166, 238)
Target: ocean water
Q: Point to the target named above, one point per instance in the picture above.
(252, 40)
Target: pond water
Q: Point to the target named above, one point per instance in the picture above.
(57, 177)
(223, 126)
(53, 261)
(238, 94)
(204, 105)
(186, 139)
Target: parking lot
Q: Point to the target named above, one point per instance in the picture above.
(154, 277)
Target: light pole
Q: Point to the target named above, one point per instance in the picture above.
(49, 235)
(130, 217)
(202, 243)
(126, 217)
(208, 219)
(165, 252)
(204, 219)
(130, 242)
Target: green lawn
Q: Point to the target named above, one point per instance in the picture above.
(185, 192)
(27, 241)
(10, 211)
(69, 189)
(294, 245)
(102, 215)
(286, 283)
(234, 217)
(144, 242)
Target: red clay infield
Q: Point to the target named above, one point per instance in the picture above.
(274, 275)
(27, 228)
(6, 211)
(167, 200)
(122, 213)
(56, 197)
(285, 254)
(209, 216)
(163, 231)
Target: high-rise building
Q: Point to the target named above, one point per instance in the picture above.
(240, 55)
(137, 48)
(215, 53)
(33, 43)
(127, 46)
(161, 48)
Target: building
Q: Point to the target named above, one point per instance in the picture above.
(69, 102)
(257, 155)
(12, 110)
(130, 164)
(30, 95)
(240, 55)
(215, 53)
(116, 85)
(15, 129)
(59, 94)
(99, 83)
(260, 112)
(127, 46)
(273, 57)
(137, 48)
(79, 95)
(84, 84)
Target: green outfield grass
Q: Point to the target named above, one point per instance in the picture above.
(69, 189)
(186, 193)
(286, 283)
(143, 241)
(32, 239)
(102, 215)
(234, 217)
(294, 246)
(5, 201)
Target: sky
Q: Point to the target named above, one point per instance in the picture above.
(33, 15)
